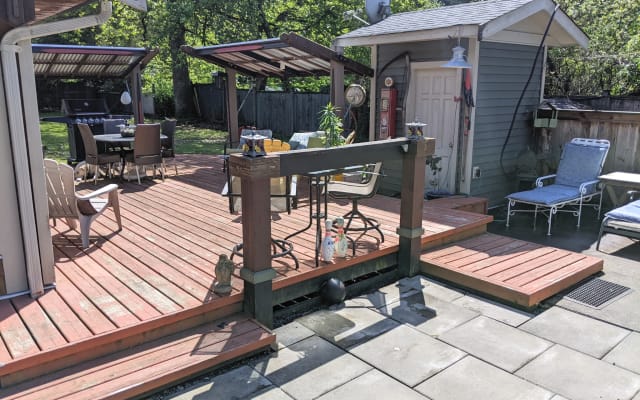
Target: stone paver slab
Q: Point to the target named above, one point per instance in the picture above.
(428, 313)
(496, 343)
(576, 375)
(291, 333)
(499, 312)
(373, 385)
(381, 297)
(274, 393)
(576, 331)
(471, 378)
(407, 355)
(239, 383)
(627, 353)
(310, 368)
(432, 287)
(347, 326)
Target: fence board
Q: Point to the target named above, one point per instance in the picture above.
(282, 112)
(622, 129)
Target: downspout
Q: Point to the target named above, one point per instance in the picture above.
(27, 169)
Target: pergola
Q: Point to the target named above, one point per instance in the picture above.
(287, 56)
(95, 62)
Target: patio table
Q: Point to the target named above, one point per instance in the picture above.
(619, 179)
(116, 139)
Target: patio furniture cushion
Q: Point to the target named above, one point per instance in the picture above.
(580, 164)
(547, 195)
(627, 213)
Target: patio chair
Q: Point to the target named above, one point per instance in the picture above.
(237, 147)
(355, 191)
(64, 202)
(146, 149)
(283, 192)
(624, 220)
(168, 128)
(575, 183)
(95, 158)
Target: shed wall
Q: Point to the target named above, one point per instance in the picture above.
(502, 74)
(392, 63)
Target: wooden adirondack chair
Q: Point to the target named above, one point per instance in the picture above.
(64, 202)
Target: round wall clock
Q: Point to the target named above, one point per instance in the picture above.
(355, 95)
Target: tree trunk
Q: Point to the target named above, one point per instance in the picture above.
(182, 87)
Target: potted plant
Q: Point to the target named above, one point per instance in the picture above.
(331, 124)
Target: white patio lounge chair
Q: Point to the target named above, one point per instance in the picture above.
(64, 202)
(575, 183)
(623, 221)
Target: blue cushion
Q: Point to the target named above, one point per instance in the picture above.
(579, 164)
(629, 212)
(547, 195)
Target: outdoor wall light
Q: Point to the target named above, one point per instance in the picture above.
(457, 60)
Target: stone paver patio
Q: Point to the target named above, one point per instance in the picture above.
(421, 339)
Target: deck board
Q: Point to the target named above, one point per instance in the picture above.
(514, 270)
(160, 267)
(133, 372)
(40, 326)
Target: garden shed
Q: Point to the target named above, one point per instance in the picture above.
(468, 110)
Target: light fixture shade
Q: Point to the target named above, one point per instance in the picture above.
(457, 61)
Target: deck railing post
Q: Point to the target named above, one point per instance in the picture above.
(256, 236)
(411, 203)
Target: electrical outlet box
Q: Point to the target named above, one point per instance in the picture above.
(476, 173)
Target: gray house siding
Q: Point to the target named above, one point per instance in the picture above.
(502, 73)
(398, 69)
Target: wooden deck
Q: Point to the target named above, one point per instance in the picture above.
(511, 270)
(155, 277)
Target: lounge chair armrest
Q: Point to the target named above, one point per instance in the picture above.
(540, 180)
(584, 186)
(103, 190)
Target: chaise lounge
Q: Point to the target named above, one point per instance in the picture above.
(623, 221)
(574, 184)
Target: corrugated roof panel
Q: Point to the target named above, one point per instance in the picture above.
(62, 69)
(69, 61)
(116, 70)
(89, 70)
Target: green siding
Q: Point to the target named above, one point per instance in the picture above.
(502, 73)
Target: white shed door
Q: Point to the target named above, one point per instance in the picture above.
(435, 91)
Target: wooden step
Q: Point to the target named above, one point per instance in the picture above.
(508, 269)
(151, 366)
(55, 358)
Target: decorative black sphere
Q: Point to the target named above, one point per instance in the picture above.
(333, 291)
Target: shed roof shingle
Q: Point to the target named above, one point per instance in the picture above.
(478, 13)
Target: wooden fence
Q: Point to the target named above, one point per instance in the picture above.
(282, 112)
(622, 129)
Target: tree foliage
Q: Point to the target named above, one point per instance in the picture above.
(611, 61)
(171, 23)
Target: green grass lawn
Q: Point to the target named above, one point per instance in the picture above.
(190, 139)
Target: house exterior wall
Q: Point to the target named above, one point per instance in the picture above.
(11, 245)
(502, 73)
(399, 71)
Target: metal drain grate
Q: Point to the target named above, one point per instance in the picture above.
(597, 293)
